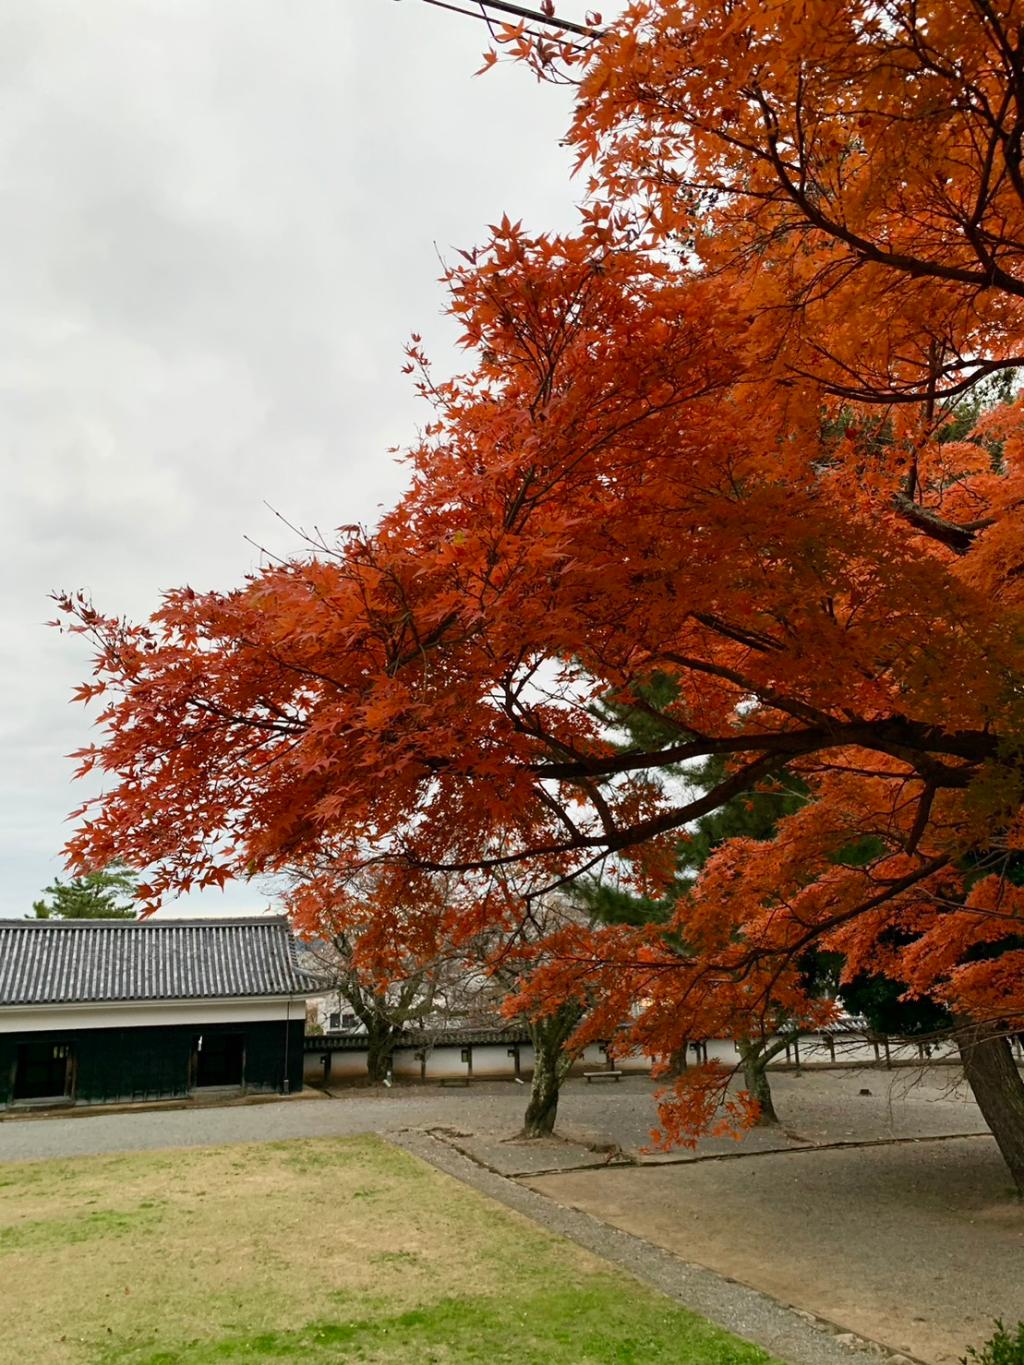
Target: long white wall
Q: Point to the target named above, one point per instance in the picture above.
(148, 1014)
(445, 1062)
(493, 1060)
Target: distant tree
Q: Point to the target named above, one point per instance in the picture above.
(384, 1009)
(387, 994)
(110, 893)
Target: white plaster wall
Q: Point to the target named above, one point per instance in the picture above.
(492, 1059)
(350, 1065)
(312, 1068)
(813, 1048)
(722, 1050)
(445, 1061)
(148, 1014)
(849, 1048)
(634, 1061)
(406, 1064)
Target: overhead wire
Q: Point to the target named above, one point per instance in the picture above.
(519, 12)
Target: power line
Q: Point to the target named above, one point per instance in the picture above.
(534, 16)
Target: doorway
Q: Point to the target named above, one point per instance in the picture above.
(218, 1059)
(43, 1071)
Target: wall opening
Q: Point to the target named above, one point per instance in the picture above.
(43, 1071)
(218, 1059)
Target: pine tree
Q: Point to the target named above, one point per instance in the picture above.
(109, 893)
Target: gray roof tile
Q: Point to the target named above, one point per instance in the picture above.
(47, 962)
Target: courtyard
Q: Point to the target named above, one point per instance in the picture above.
(878, 1218)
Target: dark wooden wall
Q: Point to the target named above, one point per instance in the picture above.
(123, 1064)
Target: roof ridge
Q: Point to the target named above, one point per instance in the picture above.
(151, 922)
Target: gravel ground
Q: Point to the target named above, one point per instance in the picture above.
(495, 1109)
(491, 1110)
(917, 1245)
(817, 1106)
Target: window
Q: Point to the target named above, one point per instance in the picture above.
(348, 1021)
(334, 1022)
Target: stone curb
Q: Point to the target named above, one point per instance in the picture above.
(794, 1336)
(640, 1163)
(86, 1111)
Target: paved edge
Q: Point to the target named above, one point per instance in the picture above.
(88, 1111)
(789, 1334)
(641, 1163)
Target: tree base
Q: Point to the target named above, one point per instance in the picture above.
(995, 1080)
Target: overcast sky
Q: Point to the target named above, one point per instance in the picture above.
(218, 229)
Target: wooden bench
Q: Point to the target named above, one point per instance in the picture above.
(589, 1076)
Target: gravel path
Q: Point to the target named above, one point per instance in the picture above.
(308, 1115)
(815, 1107)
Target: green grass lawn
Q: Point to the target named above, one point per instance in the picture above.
(332, 1250)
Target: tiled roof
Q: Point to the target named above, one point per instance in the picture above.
(49, 962)
(418, 1038)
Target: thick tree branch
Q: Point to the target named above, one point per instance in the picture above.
(958, 538)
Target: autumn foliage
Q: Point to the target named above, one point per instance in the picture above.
(729, 435)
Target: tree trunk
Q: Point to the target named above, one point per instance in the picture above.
(380, 1048)
(755, 1079)
(678, 1062)
(543, 1104)
(996, 1082)
(550, 1068)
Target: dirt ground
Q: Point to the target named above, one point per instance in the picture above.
(915, 1245)
(817, 1108)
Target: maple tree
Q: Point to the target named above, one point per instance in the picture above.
(415, 992)
(706, 438)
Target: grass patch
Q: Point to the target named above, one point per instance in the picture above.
(49, 1233)
(595, 1324)
(333, 1250)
